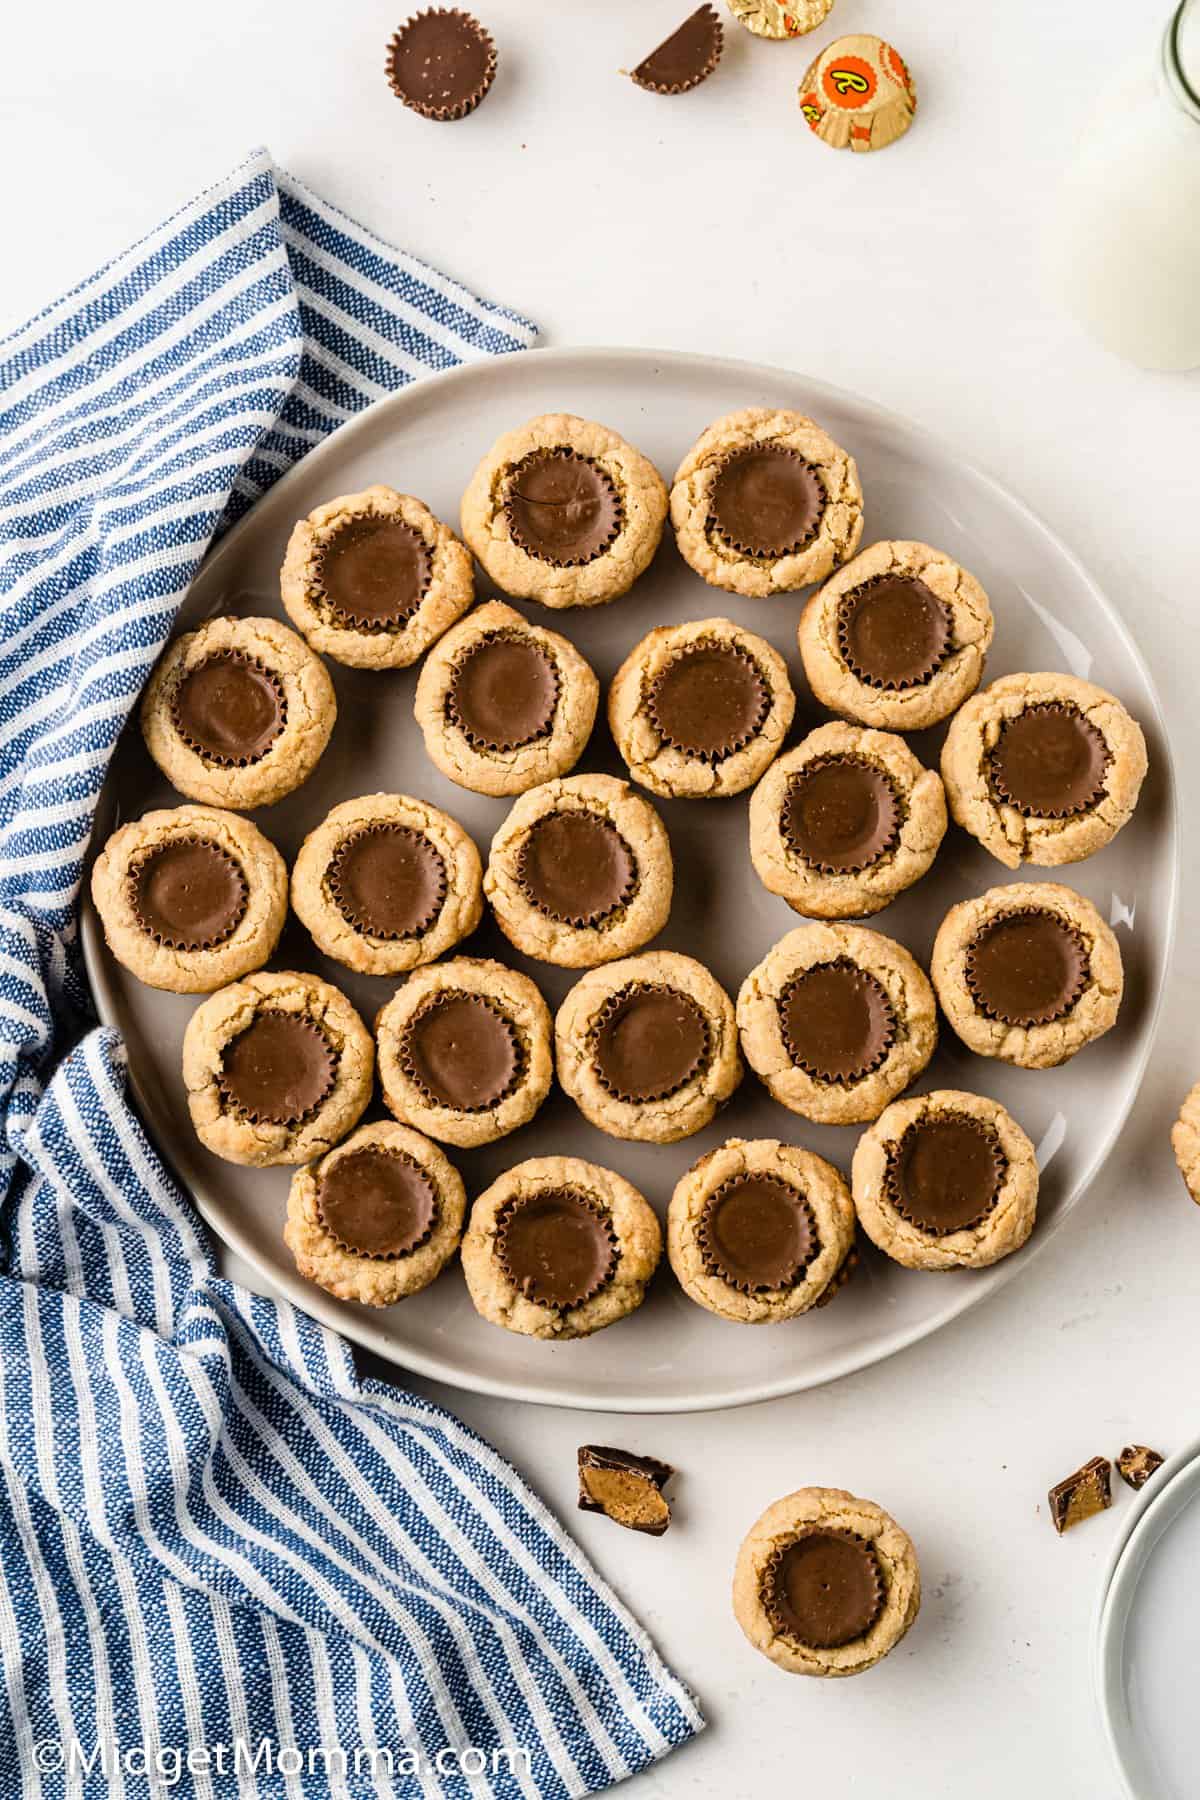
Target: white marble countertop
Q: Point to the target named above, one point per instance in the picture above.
(712, 222)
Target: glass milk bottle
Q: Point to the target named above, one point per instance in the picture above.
(1124, 237)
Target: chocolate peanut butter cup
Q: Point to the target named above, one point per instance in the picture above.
(709, 701)
(229, 709)
(576, 867)
(1027, 967)
(841, 814)
(279, 1070)
(377, 1202)
(766, 501)
(188, 894)
(388, 881)
(757, 1232)
(462, 1052)
(824, 1589)
(837, 1022)
(685, 59)
(893, 631)
(504, 692)
(374, 572)
(441, 63)
(557, 1246)
(945, 1173)
(1049, 762)
(648, 1042)
(562, 508)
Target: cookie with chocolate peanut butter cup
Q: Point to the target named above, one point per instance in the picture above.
(700, 709)
(1029, 973)
(372, 579)
(897, 638)
(464, 1051)
(765, 502)
(761, 1231)
(378, 1218)
(946, 1181)
(647, 1047)
(564, 511)
(1043, 768)
(238, 713)
(558, 1248)
(580, 872)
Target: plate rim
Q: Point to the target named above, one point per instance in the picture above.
(363, 1331)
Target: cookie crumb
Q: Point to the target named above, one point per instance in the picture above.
(625, 1487)
(1081, 1495)
(1137, 1463)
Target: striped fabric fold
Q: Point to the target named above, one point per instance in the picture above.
(227, 1565)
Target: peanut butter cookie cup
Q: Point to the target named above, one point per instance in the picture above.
(378, 1218)
(190, 898)
(897, 638)
(765, 502)
(1185, 1142)
(564, 511)
(464, 1051)
(278, 1068)
(558, 1248)
(580, 872)
(700, 710)
(647, 1047)
(761, 1231)
(387, 882)
(1043, 768)
(1029, 973)
(845, 822)
(946, 1181)
(836, 1021)
(372, 579)
(504, 704)
(826, 1584)
(238, 713)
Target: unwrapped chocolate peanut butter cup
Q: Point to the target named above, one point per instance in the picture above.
(575, 867)
(377, 1201)
(837, 1022)
(647, 1042)
(561, 507)
(188, 893)
(462, 1052)
(503, 692)
(374, 571)
(388, 881)
(709, 700)
(824, 1589)
(441, 63)
(767, 501)
(841, 814)
(757, 1232)
(278, 1071)
(1028, 967)
(1049, 762)
(685, 59)
(893, 632)
(945, 1173)
(229, 708)
(557, 1246)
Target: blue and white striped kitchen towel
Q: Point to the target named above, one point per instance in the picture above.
(228, 1565)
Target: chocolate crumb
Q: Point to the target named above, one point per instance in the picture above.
(625, 1487)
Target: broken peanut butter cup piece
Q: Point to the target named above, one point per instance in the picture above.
(946, 1172)
(504, 692)
(709, 701)
(1081, 1495)
(229, 709)
(1049, 762)
(766, 501)
(626, 1488)
(188, 894)
(279, 1070)
(837, 1021)
(1137, 1463)
(824, 1589)
(462, 1052)
(576, 867)
(648, 1042)
(374, 572)
(388, 881)
(758, 1233)
(841, 814)
(1027, 968)
(562, 508)
(441, 63)
(557, 1246)
(893, 632)
(377, 1202)
(686, 58)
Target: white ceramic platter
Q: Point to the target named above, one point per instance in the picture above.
(672, 1356)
